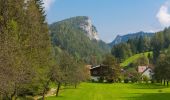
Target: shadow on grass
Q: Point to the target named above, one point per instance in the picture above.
(148, 86)
(149, 96)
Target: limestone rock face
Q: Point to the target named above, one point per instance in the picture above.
(89, 29)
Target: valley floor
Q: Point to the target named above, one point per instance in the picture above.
(117, 91)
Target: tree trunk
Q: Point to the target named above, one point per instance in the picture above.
(58, 89)
(75, 85)
(14, 95)
(161, 81)
(164, 82)
(43, 95)
(65, 84)
(45, 90)
(167, 83)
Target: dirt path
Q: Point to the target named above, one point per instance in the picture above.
(51, 92)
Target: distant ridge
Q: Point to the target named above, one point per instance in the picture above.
(125, 38)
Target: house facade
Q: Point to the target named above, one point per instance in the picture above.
(146, 71)
(98, 72)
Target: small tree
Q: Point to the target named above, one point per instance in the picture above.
(113, 67)
(162, 68)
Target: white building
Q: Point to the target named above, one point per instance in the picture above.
(146, 71)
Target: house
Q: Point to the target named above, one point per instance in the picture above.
(141, 69)
(98, 71)
(146, 71)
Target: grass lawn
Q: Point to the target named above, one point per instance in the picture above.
(133, 58)
(117, 91)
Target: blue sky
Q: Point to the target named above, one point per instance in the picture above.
(113, 17)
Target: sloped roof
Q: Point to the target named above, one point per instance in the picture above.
(146, 69)
(93, 67)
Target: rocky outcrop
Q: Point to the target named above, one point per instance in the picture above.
(89, 29)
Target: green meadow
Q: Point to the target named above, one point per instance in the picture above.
(133, 58)
(115, 91)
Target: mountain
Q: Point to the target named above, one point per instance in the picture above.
(125, 38)
(79, 37)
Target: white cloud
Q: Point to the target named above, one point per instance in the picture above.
(48, 3)
(163, 15)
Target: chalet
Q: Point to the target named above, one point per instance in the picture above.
(146, 71)
(99, 71)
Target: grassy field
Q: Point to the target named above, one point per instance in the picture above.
(133, 58)
(118, 91)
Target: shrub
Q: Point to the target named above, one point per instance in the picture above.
(101, 80)
(145, 79)
(126, 80)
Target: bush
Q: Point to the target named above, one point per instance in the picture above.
(101, 79)
(134, 80)
(26, 98)
(110, 80)
(126, 81)
(145, 79)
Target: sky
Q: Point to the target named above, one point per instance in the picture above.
(113, 17)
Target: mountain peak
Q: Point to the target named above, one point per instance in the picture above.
(89, 29)
(124, 38)
(78, 37)
(84, 23)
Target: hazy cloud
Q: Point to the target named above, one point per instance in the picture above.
(163, 15)
(48, 3)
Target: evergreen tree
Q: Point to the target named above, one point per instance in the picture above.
(157, 43)
(25, 53)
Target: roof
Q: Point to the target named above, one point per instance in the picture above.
(146, 69)
(88, 66)
(142, 68)
(97, 66)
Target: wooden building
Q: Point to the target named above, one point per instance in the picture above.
(99, 71)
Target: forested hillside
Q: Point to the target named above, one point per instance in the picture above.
(79, 37)
(145, 51)
(133, 46)
(158, 43)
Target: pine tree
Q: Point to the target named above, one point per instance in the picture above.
(25, 48)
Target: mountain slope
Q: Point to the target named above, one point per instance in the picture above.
(133, 58)
(125, 38)
(79, 37)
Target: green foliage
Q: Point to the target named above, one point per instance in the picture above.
(113, 67)
(132, 75)
(158, 44)
(162, 68)
(133, 46)
(25, 52)
(142, 61)
(161, 58)
(121, 51)
(145, 79)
